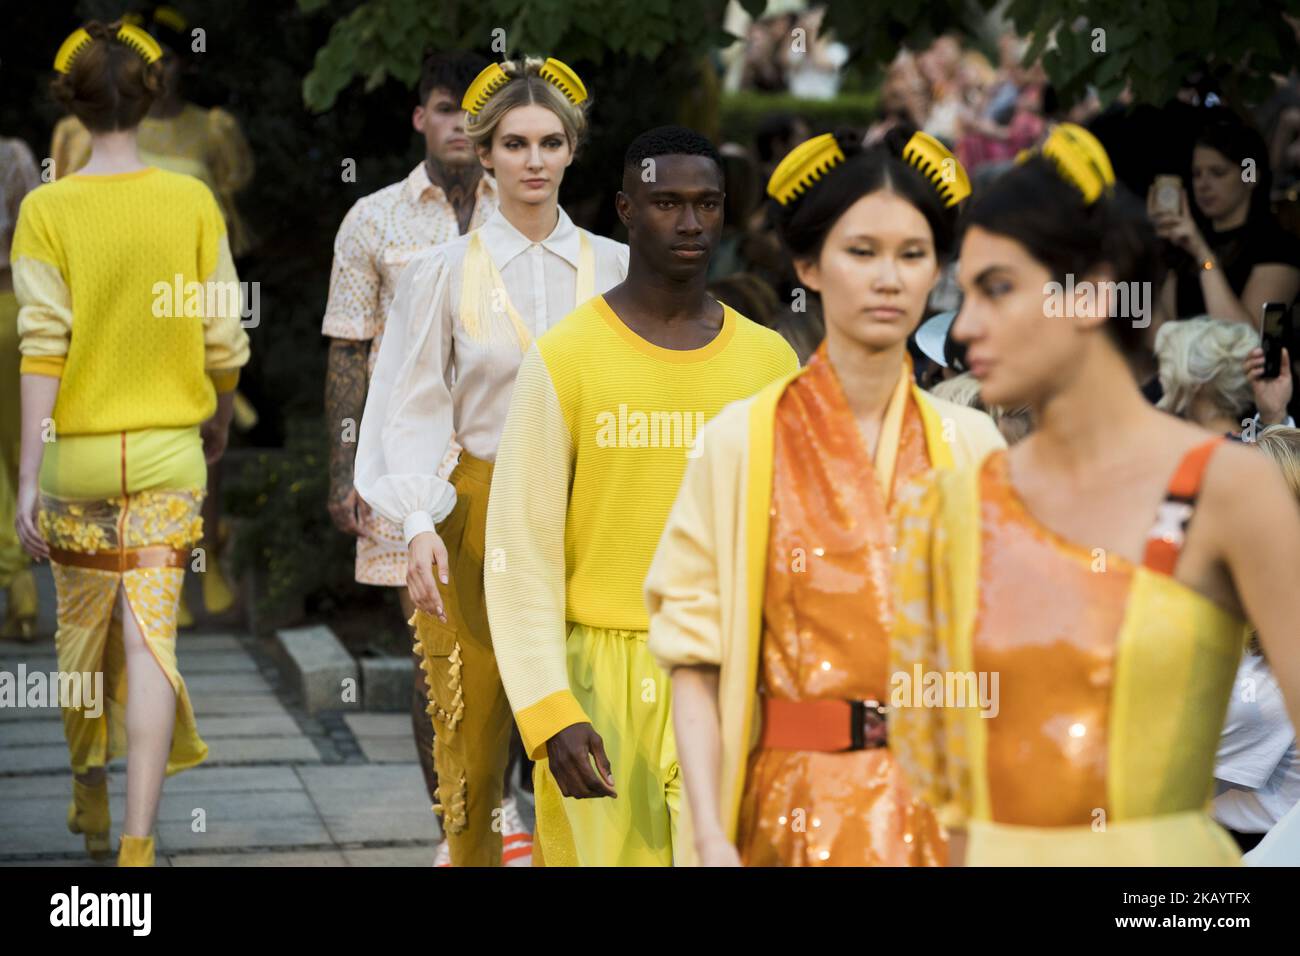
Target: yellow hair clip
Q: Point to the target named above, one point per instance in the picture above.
(77, 41)
(489, 80)
(937, 163)
(140, 41)
(803, 166)
(170, 17)
(1079, 158)
(561, 75)
(128, 35)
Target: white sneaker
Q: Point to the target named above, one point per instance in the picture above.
(516, 839)
(442, 855)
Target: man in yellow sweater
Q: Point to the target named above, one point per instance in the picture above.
(607, 409)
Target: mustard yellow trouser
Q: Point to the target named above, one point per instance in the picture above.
(471, 716)
(12, 556)
(628, 698)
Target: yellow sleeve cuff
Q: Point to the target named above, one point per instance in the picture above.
(546, 718)
(224, 379)
(51, 365)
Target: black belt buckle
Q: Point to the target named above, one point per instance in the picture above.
(868, 727)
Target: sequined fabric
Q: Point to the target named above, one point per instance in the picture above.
(827, 608)
(89, 636)
(1050, 612)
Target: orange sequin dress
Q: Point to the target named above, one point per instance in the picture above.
(1051, 618)
(826, 622)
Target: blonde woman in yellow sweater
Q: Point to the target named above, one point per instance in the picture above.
(131, 348)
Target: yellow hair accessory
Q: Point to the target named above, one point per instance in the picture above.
(561, 75)
(937, 163)
(140, 41)
(494, 77)
(803, 166)
(489, 80)
(77, 41)
(170, 17)
(1079, 158)
(128, 35)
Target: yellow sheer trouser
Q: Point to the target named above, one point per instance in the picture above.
(628, 696)
(12, 556)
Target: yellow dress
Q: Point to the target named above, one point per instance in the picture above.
(827, 615)
(1112, 685)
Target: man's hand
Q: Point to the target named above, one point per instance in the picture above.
(426, 550)
(569, 755)
(348, 511)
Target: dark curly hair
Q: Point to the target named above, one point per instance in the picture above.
(670, 141)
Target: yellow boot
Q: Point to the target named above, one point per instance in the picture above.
(217, 596)
(88, 814)
(20, 613)
(135, 851)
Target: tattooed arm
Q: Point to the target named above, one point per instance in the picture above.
(345, 399)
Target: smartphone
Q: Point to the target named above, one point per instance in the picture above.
(1274, 332)
(1168, 194)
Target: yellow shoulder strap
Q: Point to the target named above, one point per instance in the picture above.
(483, 292)
(586, 287)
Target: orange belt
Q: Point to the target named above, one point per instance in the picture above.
(825, 725)
(153, 556)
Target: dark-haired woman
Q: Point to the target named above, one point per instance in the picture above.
(1234, 256)
(131, 347)
(769, 593)
(1099, 570)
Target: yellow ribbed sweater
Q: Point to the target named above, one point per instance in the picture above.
(98, 262)
(600, 427)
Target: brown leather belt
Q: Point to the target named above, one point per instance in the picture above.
(152, 556)
(825, 725)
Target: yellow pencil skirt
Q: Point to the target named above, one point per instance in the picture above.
(121, 511)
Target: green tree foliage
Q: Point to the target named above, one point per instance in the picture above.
(1151, 45)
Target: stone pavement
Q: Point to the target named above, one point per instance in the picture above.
(278, 788)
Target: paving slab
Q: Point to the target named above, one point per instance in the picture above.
(225, 750)
(379, 725)
(388, 749)
(283, 858)
(392, 856)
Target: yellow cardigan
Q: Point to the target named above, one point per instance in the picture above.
(704, 592)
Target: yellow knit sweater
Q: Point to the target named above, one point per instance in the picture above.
(128, 293)
(600, 428)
